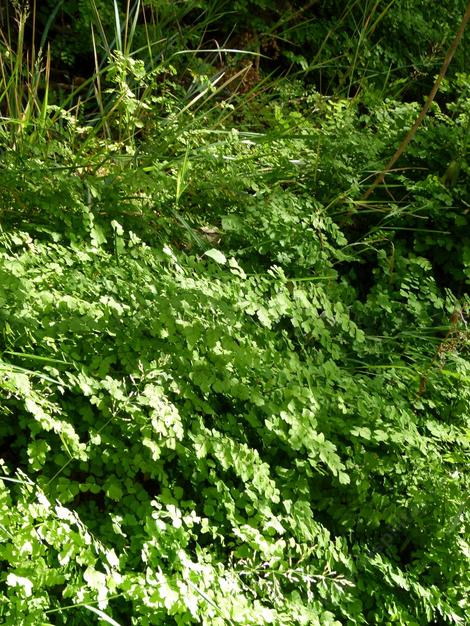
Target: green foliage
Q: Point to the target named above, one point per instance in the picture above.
(349, 46)
(233, 391)
(181, 432)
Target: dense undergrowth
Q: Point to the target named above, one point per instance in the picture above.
(233, 391)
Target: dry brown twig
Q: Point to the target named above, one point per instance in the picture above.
(412, 132)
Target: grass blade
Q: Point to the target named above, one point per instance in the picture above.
(102, 615)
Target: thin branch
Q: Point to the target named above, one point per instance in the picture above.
(412, 132)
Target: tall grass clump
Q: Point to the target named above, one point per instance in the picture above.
(24, 82)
